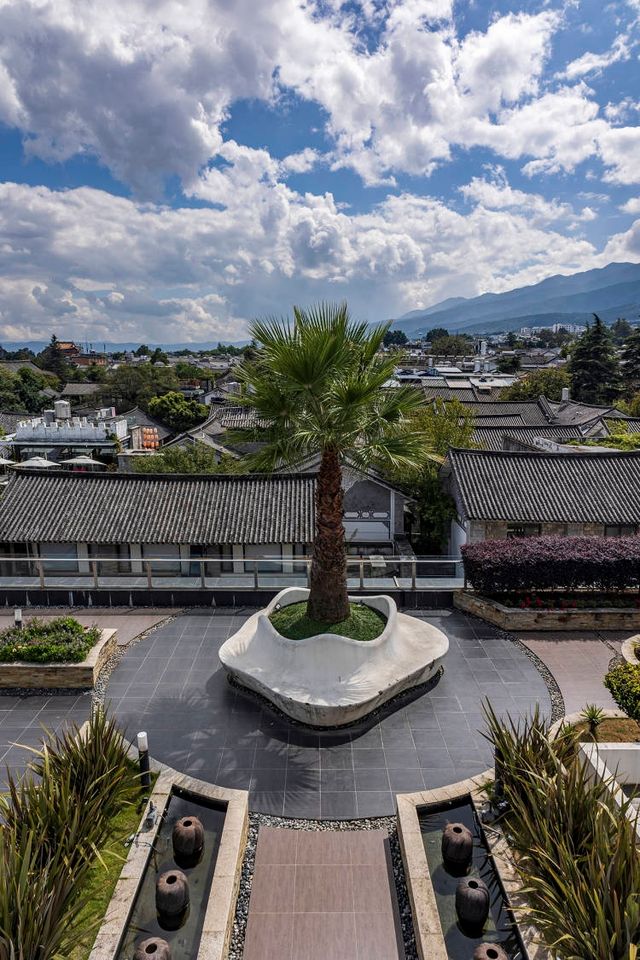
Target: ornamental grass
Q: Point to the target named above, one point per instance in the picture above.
(52, 822)
(576, 850)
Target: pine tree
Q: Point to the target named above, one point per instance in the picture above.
(593, 366)
(631, 363)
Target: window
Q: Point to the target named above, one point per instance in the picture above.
(522, 530)
(620, 530)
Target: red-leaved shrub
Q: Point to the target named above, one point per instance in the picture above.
(553, 563)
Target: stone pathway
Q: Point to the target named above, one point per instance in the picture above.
(578, 661)
(172, 685)
(322, 896)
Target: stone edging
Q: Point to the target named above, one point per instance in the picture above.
(69, 676)
(629, 647)
(428, 930)
(218, 921)
(513, 618)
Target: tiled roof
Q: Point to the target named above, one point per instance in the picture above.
(448, 393)
(9, 421)
(120, 508)
(492, 438)
(499, 420)
(530, 411)
(570, 411)
(540, 487)
(80, 389)
(237, 418)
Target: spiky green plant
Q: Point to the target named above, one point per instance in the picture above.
(576, 849)
(53, 820)
(593, 716)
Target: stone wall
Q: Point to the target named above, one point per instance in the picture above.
(69, 676)
(497, 530)
(515, 619)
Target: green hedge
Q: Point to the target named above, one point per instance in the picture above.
(62, 640)
(624, 683)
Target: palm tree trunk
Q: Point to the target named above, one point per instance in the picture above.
(328, 601)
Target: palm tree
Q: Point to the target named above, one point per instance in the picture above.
(317, 386)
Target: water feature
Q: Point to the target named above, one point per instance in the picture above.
(499, 928)
(144, 921)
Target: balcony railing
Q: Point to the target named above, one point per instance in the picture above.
(164, 573)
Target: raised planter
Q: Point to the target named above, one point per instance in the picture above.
(330, 680)
(220, 911)
(430, 941)
(70, 676)
(514, 619)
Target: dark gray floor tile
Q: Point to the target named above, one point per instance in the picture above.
(375, 803)
(338, 806)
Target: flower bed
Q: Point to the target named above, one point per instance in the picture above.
(568, 601)
(69, 656)
(63, 640)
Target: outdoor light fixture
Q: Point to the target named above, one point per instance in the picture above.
(17, 618)
(277, 606)
(143, 760)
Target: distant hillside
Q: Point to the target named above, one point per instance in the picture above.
(612, 291)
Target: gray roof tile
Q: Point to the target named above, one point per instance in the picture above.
(120, 508)
(540, 487)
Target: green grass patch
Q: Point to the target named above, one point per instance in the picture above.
(101, 878)
(363, 623)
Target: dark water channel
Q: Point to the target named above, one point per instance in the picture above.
(143, 920)
(499, 927)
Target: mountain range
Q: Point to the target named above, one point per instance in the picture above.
(611, 292)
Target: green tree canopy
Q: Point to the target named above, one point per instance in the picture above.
(395, 338)
(621, 330)
(508, 364)
(129, 386)
(593, 365)
(445, 425)
(455, 345)
(318, 385)
(53, 359)
(177, 411)
(538, 383)
(436, 333)
(631, 362)
(197, 458)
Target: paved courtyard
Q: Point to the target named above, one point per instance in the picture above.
(172, 685)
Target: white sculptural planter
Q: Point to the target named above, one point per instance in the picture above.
(330, 680)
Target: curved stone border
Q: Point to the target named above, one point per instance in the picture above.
(630, 647)
(330, 680)
(218, 921)
(428, 929)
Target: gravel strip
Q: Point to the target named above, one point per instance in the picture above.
(256, 820)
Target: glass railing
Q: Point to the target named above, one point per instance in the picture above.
(363, 573)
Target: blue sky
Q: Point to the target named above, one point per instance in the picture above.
(168, 172)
